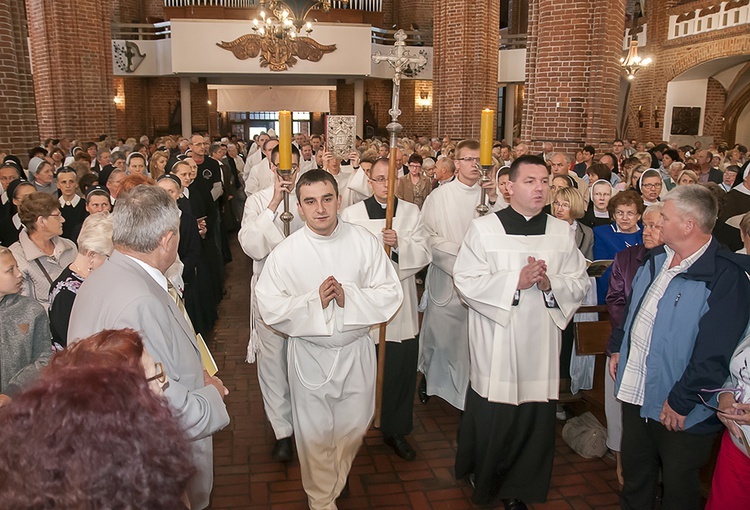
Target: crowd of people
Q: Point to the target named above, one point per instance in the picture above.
(112, 271)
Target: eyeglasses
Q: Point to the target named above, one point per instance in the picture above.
(561, 205)
(651, 185)
(625, 214)
(55, 214)
(160, 376)
(414, 165)
(469, 160)
(380, 180)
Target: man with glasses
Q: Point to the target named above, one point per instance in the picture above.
(262, 229)
(444, 343)
(409, 254)
(522, 277)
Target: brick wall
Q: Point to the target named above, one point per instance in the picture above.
(713, 122)
(672, 58)
(73, 78)
(416, 11)
(378, 94)
(416, 114)
(465, 65)
(148, 103)
(572, 72)
(18, 126)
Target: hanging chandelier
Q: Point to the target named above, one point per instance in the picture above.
(286, 19)
(633, 62)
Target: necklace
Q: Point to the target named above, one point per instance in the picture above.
(78, 271)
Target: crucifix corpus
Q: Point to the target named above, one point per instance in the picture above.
(399, 58)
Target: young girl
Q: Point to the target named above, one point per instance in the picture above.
(25, 339)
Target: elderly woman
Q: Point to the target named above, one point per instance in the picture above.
(568, 206)
(94, 247)
(40, 251)
(120, 447)
(624, 267)
(44, 178)
(597, 213)
(414, 186)
(625, 209)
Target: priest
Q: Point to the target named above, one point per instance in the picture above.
(409, 254)
(325, 286)
(262, 229)
(522, 277)
(444, 343)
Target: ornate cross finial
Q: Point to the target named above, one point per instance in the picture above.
(399, 58)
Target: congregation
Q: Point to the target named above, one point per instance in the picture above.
(113, 262)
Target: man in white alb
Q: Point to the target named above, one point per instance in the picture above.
(325, 286)
(444, 343)
(262, 229)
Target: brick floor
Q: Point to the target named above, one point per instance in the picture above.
(247, 478)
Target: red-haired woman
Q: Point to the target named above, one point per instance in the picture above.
(91, 433)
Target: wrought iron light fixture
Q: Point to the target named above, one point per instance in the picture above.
(633, 62)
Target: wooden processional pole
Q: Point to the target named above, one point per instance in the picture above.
(399, 59)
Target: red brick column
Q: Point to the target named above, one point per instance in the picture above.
(572, 72)
(466, 36)
(72, 56)
(18, 127)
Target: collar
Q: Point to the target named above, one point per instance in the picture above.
(186, 193)
(154, 273)
(376, 210)
(4, 198)
(16, 219)
(742, 189)
(31, 251)
(73, 203)
(704, 267)
(334, 235)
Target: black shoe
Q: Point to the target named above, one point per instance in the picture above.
(514, 504)
(282, 451)
(401, 446)
(422, 391)
(345, 490)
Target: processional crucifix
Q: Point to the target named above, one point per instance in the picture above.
(400, 59)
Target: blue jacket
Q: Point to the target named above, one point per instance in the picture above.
(699, 321)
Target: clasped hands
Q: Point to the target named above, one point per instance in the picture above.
(331, 290)
(535, 272)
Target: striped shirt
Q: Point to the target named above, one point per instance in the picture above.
(632, 386)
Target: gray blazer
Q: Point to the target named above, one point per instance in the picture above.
(585, 240)
(121, 294)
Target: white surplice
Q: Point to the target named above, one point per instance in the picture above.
(261, 231)
(413, 255)
(331, 358)
(515, 349)
(260, 177)
(253, 158)
(353, 185)
(444, 341)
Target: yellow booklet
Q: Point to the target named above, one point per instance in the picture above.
(209, 365)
